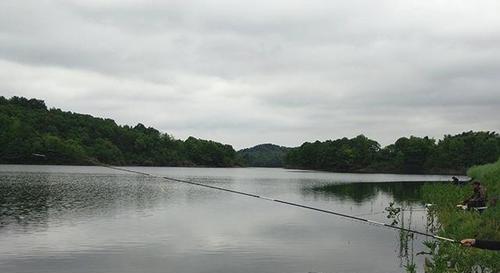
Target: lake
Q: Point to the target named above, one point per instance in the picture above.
(94, 219)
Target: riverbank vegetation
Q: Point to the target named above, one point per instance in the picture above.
(450, 155)
(459, 224)
(28, 128)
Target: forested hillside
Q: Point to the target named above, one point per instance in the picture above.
(264, 155)
(27, 127)
(452, 154)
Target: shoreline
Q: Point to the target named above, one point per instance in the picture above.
(460, 224)
(287, 168)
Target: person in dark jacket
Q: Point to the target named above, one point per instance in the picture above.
(478, 198)
(456, 181)
(492, 245)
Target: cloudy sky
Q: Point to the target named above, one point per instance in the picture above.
(251, 72)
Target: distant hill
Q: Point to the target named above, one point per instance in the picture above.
(264, 155)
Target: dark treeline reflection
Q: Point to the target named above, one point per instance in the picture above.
(31, 199)
(362, 192)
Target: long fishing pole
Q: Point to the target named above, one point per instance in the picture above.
(281, 202)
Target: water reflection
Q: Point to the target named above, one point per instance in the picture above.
(31, 199)
(359, 193)
(87, 219)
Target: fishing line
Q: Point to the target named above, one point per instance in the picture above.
(281, 202)
(270, 199)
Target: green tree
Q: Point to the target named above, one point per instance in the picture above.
(27, 127)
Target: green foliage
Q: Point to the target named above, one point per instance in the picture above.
(489, 175)
(459, 224)
(338, 155)
(209, 153)
(465, 150)
(393, 213)
(264, 155)
(406, 238)
(27, 127)
(453, 154)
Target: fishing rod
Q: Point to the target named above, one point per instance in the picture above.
(357, 218)
(279, 201)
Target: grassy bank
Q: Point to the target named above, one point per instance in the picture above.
(458, 224)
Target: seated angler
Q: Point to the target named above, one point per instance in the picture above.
(478, 198)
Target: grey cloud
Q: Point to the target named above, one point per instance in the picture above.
(251, 72)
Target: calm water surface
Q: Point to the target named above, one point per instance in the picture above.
(93, 219)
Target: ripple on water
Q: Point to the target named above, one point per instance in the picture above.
(87, 219)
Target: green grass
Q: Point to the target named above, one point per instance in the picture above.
(459, 224)
(489, 175)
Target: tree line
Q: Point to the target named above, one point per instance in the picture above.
(264, 155)
(452, 154)
(28, 128)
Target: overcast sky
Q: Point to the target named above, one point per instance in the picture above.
(251, 72)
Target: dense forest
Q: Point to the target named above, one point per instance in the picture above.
(452, 154)
(264, 155)
(28, 129)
